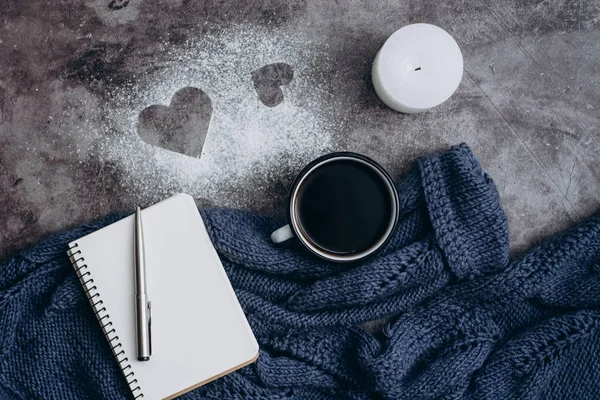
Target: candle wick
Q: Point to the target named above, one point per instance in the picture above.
(418, 69)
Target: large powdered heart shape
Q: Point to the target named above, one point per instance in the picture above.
(182, 126)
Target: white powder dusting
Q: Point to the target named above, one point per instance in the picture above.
(247, 142)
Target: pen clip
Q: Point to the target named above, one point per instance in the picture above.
(150, 327)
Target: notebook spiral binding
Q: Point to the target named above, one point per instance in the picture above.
(91, 291)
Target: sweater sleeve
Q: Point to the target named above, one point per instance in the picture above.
(464, 208)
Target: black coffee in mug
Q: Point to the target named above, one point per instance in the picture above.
(344, 207)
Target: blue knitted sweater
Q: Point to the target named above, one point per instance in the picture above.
(468, 323)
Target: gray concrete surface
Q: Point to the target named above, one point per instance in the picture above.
(87, 91)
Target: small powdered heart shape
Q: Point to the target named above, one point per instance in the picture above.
(118, 4)
(268, 81)
(182, 126)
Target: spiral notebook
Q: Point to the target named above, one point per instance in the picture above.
(199, 331)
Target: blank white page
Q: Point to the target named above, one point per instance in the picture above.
(199, 331)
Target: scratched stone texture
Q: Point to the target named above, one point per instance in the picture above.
(528, 104)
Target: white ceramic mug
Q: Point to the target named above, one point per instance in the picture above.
(294, 228)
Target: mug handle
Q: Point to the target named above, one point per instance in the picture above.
(282, 234)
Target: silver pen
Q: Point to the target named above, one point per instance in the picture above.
(143, 309)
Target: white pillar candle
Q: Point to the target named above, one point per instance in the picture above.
(418, 67)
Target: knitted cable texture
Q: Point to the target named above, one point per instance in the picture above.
(468, 324)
